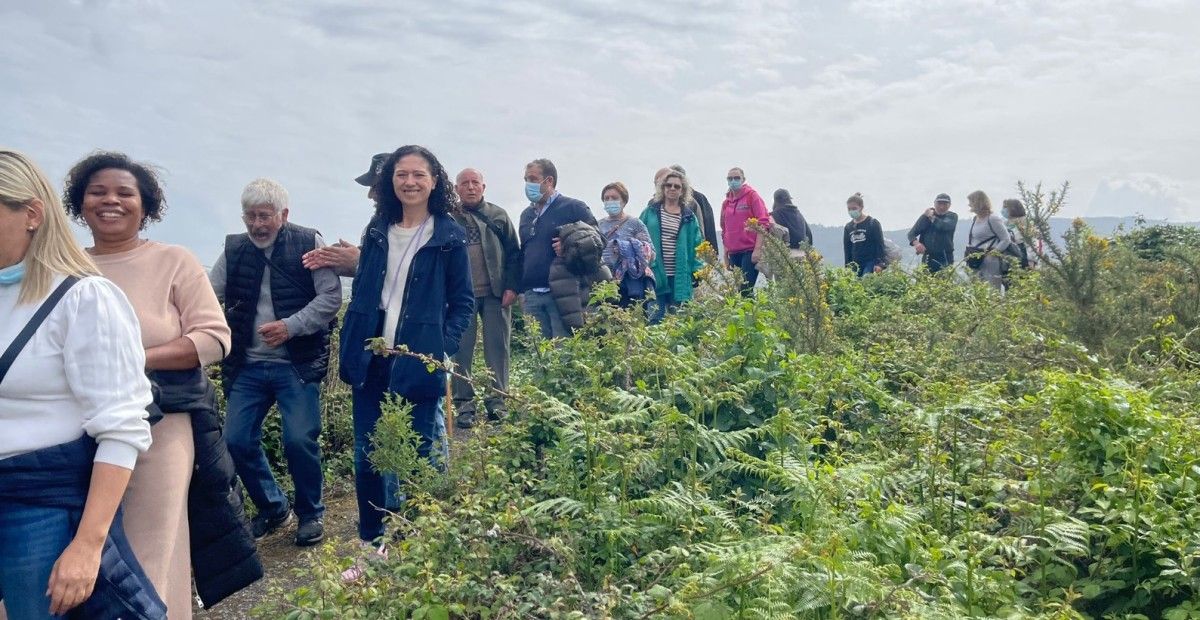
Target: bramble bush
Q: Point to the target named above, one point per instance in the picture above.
(904, 445)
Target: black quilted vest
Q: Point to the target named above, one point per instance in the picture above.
(291, 290)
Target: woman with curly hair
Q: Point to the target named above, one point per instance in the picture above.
(675, 232)
(412, 289)
(181, 483)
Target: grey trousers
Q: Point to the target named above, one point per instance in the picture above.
(497, 330)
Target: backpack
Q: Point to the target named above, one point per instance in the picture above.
(891, 252)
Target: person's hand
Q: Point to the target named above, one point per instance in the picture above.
(755, 256)
(74, 576)
(274, 333)
(341, 256)
(878, 268)
(919, 247)
(557, 245)
(508, 299)
(929, 213)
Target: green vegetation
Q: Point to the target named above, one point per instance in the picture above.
(900, 446)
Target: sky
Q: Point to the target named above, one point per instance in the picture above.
(897, 99)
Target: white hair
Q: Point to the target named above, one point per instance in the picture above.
(264, 192)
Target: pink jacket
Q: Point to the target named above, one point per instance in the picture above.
(738, 207)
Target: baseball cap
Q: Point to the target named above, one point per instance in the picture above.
(942, 198)
(369, 177)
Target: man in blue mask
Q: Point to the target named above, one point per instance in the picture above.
(547, 211)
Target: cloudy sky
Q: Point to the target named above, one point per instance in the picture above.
(897, 99)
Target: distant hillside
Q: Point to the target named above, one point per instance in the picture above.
(828, 239)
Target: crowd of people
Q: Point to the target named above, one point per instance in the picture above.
(118, 475)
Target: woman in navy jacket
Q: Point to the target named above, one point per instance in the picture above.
(412, 288)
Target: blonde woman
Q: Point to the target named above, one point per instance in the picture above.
(72, 415)
(988, 239)
(675, 233)
(183, 481)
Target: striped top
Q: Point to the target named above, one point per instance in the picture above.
(670, 233)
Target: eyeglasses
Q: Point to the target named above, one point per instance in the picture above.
(733, 178)
(672, 186)
(250, 218)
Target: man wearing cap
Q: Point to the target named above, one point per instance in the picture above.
(495, 258)
(933, 235)
(342, 256)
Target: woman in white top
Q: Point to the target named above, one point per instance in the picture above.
(988, 235)
(80, 374)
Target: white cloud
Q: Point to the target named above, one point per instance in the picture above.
(898, 99)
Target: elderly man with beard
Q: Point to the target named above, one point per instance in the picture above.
(281, 315)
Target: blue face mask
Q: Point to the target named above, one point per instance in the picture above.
(12, 274)
(612, 207)
(533, 191)
(1004, 212)
(854, 213)
(735, 184)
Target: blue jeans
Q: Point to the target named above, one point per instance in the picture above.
(31, 539)
(742, 261)
(542, 308)
(258, 386)
(867, 268)
(664, 302)
(375, 491)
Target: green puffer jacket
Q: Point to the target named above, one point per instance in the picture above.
(686, 262)
(501, 246)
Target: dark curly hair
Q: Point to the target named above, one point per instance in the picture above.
(442, 200)
(153, 202)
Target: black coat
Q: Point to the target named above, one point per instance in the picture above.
(224, 556)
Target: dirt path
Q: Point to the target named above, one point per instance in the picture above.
(281, 558)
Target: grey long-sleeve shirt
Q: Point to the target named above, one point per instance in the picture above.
(310, 319)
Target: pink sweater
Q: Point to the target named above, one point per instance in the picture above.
(737, 208)
(171, 296)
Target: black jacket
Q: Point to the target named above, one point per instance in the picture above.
(224, 556)
(790, 218)
(292, 289)
(537, 236)
(936, 234)
(438, 305)
(708, 224)
(863, 242)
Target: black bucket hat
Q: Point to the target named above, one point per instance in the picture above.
(369, 177)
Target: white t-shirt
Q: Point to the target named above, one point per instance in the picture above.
(403, 244)
(82, 372)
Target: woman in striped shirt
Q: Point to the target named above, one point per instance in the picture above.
(675, 232)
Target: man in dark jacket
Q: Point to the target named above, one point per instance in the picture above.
(786, 214)
(547, 211)
(281, 315)
(495, 258)
(708, 224)
(933, 235)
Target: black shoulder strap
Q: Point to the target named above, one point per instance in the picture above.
(275, 269)
(23, 338)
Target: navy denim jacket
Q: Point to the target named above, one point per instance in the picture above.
(437, 311)
(59, 477)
